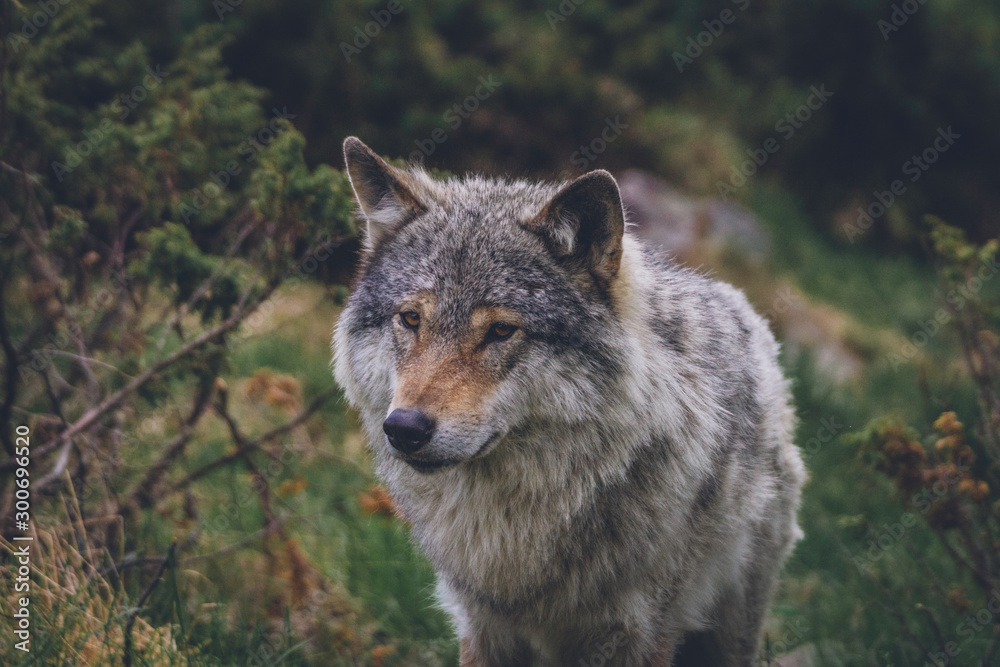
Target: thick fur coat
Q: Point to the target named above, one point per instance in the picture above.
(593, 445)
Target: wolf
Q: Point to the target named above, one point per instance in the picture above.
(592, 445)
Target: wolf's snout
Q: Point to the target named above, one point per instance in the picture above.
(408, 429)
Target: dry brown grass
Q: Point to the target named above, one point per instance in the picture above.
(76, 610)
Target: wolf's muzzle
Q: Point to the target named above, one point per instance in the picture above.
(408, 430)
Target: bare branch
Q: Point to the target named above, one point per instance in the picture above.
(132, 560)
(15, 170)
(978, 575)
(240, 312)
(250, 445)
(138, 381)
(53, 399)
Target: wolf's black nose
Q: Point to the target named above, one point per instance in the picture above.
(408, 429)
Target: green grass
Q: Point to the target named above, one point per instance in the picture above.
(846, 505)
(879, 290)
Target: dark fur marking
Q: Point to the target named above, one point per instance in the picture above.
(745, 430)
(669, 331)
(708, 491)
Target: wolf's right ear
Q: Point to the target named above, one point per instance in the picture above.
(384, 199)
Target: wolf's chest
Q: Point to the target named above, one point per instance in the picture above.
(492, 543)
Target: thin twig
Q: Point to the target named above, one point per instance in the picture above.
(42, 328)
(142, 600)
(906, 628)
(988, 659)
(117, 259)
(15, 170)
(53, 399)
(984, 581)
(133, 561)
(217, 272)
(934, 624)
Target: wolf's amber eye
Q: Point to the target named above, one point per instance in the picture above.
(410, 319)
(501, 331)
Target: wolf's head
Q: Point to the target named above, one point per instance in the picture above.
(481, 305)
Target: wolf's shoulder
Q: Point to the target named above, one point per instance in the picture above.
(698, 315)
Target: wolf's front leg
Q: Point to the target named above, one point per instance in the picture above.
(487, 639)
(741, 615)
(491, 649)
(635, 645)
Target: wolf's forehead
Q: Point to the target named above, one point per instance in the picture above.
(467, 264)
(470, 248)
(481, 262)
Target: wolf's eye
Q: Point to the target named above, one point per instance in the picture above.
(500, 331)
(410, 319)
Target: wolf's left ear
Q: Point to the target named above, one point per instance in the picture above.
(584, 223)
(380, 189)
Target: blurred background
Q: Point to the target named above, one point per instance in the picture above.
(177, 237)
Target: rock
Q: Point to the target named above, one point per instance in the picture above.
(803, 656)
(682, 225)
(821, 329)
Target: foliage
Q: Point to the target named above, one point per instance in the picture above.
(949, 476)
(147, 212)
(566, 67)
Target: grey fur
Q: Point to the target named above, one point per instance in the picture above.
(623, 475)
